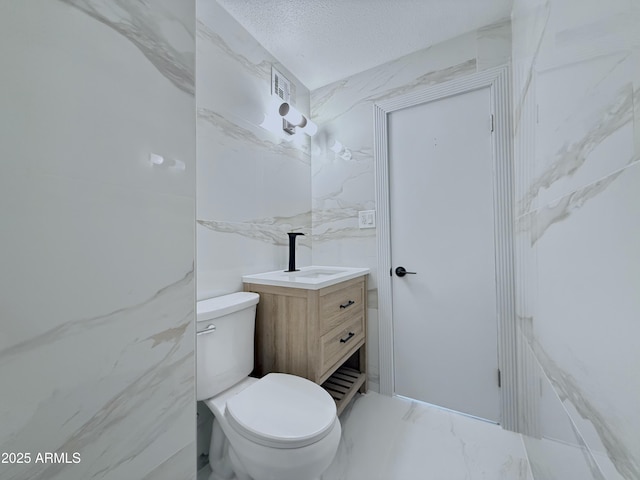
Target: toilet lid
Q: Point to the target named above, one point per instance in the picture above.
(282, 411)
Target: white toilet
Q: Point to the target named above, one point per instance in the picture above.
(279, 427)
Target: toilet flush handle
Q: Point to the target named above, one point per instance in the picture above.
(209, 329)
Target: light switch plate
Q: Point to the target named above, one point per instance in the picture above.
(367, 219)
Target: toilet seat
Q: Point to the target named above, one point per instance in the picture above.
(282, 411)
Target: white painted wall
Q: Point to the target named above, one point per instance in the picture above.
(97, 257)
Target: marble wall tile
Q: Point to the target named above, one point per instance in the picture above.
(254, 183)
(524, 144)
(581, 30)
(82, 93)
(420, 69)
(557, 450)
(574, 136)
(178, 466)
(636, 109)
(577, 219)
(572, 133)
(529, 24)
(552, 460)
(241, 178)
(494, 45)
(634, 35)
(97, 348)
(237, 73)
(241, 249)
(598, 301)
(636, 96)
(146, 27)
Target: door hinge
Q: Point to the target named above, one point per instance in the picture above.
(499, 379)
(492, 122)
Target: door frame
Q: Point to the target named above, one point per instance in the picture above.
(498, 81)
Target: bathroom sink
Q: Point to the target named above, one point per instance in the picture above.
(315, 272)
(310, 278)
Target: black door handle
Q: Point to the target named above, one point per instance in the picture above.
(401, 272)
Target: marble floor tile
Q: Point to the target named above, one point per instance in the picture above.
(394, 438)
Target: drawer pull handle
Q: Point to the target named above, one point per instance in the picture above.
(348, 304)
(347, 338)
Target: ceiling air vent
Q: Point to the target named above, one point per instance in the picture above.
(280, 86)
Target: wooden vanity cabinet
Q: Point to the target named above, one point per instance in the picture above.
(316, 334)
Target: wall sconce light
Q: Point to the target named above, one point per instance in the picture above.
(159, 161)
(339, 149)
(336, 147)
(292, 118)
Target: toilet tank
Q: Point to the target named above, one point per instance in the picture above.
(224, 346)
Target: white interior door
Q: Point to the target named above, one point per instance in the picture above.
(442, 228)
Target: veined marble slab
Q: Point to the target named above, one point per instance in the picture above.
(98, 336)
(577, 227)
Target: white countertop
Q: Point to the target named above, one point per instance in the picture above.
(309, 278)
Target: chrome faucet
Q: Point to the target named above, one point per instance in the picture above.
(292, 251)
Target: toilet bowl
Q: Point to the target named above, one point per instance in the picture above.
(279, 427)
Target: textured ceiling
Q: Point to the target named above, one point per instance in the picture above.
(321, 41)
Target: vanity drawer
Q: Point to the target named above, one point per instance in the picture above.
(340, 342)
(341, 306)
